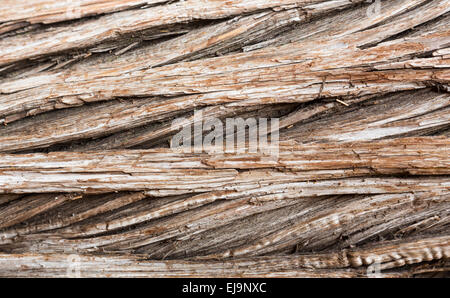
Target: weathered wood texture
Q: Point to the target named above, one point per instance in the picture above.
(347, 263)
(164, 171)
(88, 93)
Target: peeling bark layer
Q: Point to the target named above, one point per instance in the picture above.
(89, 90)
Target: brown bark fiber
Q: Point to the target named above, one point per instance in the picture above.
(89, 90)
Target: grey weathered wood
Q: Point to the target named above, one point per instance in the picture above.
(88, 93)
(344, 264)
(338, 61)
(163, 171)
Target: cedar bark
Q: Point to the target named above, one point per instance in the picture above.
(88, 93)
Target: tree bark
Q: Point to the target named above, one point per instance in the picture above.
(89, 90)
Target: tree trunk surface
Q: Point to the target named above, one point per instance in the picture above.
(90, 181)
